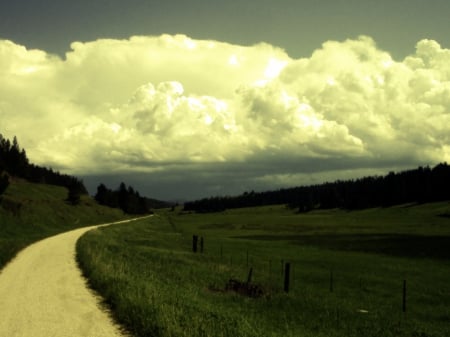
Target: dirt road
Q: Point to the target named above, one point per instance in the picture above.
(42, 293)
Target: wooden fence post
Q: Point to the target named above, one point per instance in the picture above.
(250, 273)
(194, 243)
(404, 296)
(287, 271)
(331, 281)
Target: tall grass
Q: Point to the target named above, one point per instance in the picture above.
(156, 286)
(30, 212)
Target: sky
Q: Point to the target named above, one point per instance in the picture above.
(190, 99)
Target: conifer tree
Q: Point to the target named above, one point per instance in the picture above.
(4, 183)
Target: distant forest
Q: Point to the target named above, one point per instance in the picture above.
(420, 185)
(127, 199)
(14, 162)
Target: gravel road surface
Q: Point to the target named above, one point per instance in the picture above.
(42, 293)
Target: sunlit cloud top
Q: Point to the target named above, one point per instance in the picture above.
(149, 104)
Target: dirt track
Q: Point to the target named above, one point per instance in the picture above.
(42, 293)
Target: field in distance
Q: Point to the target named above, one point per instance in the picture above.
(347, 272)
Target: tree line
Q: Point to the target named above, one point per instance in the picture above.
(14, 162)
(420, 185)
(127, 199)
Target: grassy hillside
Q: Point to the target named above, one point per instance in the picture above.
(347, 272)
(30, 212)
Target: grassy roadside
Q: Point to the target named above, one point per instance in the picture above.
(156, 286)
(30, 212)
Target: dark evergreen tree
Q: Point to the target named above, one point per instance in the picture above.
(125, 198)
(102, 194)
(4, 183)
(74, 194)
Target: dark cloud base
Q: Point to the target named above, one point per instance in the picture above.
(194, 181)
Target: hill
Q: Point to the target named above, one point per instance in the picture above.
(30, 212)
(15, 163)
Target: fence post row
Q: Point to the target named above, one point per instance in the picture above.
(286, 270)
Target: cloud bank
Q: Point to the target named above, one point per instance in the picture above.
(225, 115)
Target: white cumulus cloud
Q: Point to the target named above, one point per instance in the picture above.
(148, 103)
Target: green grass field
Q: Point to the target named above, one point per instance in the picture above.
(347, 272)
(30, 212)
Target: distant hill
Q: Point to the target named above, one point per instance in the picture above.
(30, 212)
(37, 202)
(420, 185)
(14, 163)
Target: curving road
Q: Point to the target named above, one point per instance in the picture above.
(42, 293)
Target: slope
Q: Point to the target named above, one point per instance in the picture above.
(30, 212)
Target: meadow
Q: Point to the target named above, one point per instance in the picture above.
(30, 212)
(347, 272)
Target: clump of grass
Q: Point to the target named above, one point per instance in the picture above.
(156, 286)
